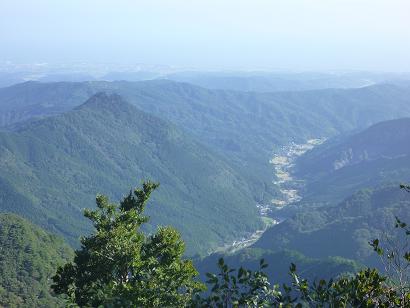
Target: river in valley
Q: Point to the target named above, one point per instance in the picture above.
(283, 161)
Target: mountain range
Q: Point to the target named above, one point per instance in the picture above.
(244, 127)
(52, 168)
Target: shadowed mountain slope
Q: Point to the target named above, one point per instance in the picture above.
(344, 229)
(378, 155)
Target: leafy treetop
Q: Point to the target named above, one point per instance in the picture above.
(120, 265)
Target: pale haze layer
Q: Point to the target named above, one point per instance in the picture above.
(224, 34)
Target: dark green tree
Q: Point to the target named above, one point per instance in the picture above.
(118, 265)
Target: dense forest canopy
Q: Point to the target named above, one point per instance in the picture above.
(29, 258)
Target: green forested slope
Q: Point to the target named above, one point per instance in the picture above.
(29, 258)
(343, 229)
(377, 155)
(53, 168)
(388, 139)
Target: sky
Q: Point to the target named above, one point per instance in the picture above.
(225, 34)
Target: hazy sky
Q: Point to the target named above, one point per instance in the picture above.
(230, 34)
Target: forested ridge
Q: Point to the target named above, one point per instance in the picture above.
(52, 168)
(28, 259)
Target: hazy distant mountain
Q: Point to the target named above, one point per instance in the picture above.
(9, 78)
(66, 77)
(379, 154)
(50, 169)
(248, 81)
(12, 78)
(282, 81)
(29, 258)
(343, 229)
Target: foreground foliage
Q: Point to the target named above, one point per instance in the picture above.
(279, 261)
(121, 266)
